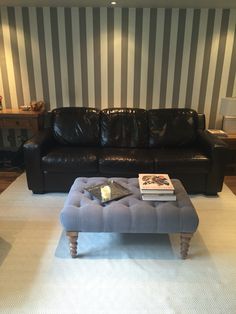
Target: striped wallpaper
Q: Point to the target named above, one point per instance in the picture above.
(113, 57)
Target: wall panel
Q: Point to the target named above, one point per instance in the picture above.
(106, 57)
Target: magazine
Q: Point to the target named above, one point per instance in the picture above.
(155, 183)
(219, 133)
(109, 191)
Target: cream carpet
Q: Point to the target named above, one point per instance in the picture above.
(38, 276)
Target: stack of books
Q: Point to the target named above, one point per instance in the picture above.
(156, 187)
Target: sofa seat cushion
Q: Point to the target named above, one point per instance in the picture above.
(188, 160)
(125, 161)
(71, 159)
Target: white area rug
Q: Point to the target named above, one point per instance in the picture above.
(115, 273)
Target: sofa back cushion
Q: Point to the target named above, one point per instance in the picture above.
(124, 127)
(76, 126)
(172, 127)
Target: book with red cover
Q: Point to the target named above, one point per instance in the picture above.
(151, 183)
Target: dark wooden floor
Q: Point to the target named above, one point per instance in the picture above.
(7, 176)
(230, 181)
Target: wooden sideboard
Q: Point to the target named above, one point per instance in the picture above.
(19, 119)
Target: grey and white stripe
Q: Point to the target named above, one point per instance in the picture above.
(159, 33)
(219, 66)
(231, 87)
(110, 55)
(43, 56)
(124, 56)
(178, 58)
(28, 50)
(165, 57)
(106, 57)
(90, 57)
(5, 90)
(84, 58)
(97, 57)
(151, 58)
(144, 58)
(191, 53)
(117, 57)
(137, 56)
(15, 55)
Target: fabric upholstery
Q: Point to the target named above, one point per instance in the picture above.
(82, 212)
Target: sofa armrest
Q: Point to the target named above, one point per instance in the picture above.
(216, 150)
(210, 143)
(34, 149)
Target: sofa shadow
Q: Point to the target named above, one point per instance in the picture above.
(5, 247)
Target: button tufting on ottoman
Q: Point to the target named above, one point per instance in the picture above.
(84, 213)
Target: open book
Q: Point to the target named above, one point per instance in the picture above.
(155, 183)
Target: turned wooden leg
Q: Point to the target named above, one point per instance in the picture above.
(184, 244)
(73, 237)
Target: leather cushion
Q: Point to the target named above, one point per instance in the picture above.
(76, 126)
(70, 159)
(124, 128)
(172, 127)
(185, 160)
(122, 161)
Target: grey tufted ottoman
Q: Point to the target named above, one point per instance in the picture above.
(83, 213)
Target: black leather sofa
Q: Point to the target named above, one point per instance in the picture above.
(124, 142)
